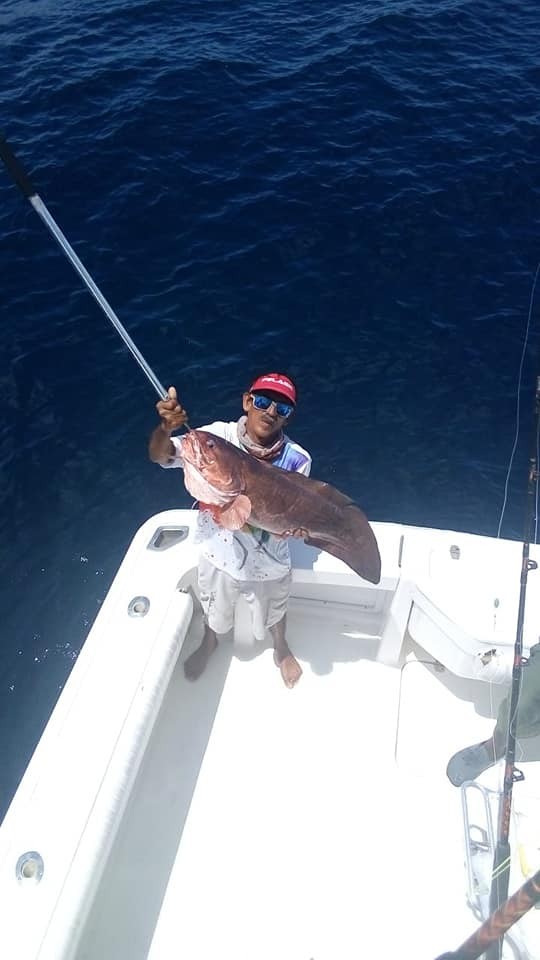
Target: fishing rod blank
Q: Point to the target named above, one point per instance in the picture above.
(494, 928)
(501, 860)
(25, 185)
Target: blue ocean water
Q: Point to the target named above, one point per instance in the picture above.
(347, 192)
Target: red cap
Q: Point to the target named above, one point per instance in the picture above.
(275, 383)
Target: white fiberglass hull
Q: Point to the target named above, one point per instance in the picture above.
(234, 818)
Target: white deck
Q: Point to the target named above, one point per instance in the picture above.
(295, 831)
(313, 824)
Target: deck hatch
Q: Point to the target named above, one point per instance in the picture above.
(165, 537)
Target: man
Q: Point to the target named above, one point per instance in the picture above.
(469, 763)
(249, 561)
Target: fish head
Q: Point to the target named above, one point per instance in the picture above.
(213, 460)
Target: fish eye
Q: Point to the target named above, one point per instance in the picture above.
(210, 443)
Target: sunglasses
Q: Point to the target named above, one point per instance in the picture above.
(264, 403)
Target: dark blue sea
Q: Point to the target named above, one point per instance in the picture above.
(348, 192)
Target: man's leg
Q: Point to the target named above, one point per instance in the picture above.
(291, 671)
(217, 594)
(268, 601)
(196, 662)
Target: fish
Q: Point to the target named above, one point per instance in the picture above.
(239, 489)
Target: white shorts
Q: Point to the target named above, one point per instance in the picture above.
(218, 592)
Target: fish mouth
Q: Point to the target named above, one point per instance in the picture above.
(191, 448)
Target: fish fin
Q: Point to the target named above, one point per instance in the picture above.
(235, 515)
(361, 555)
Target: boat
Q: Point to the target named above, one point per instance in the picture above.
(234, 818)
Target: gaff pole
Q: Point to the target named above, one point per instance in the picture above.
(24, 183)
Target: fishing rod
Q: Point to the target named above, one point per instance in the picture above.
(504, 910)
(24, 183)
(490, 933)
(501, 861)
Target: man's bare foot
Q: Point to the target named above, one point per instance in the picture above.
(196, 662)
(291, 671)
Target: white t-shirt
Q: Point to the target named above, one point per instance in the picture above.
(250, 553)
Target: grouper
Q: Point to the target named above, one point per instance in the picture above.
(238, 489)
